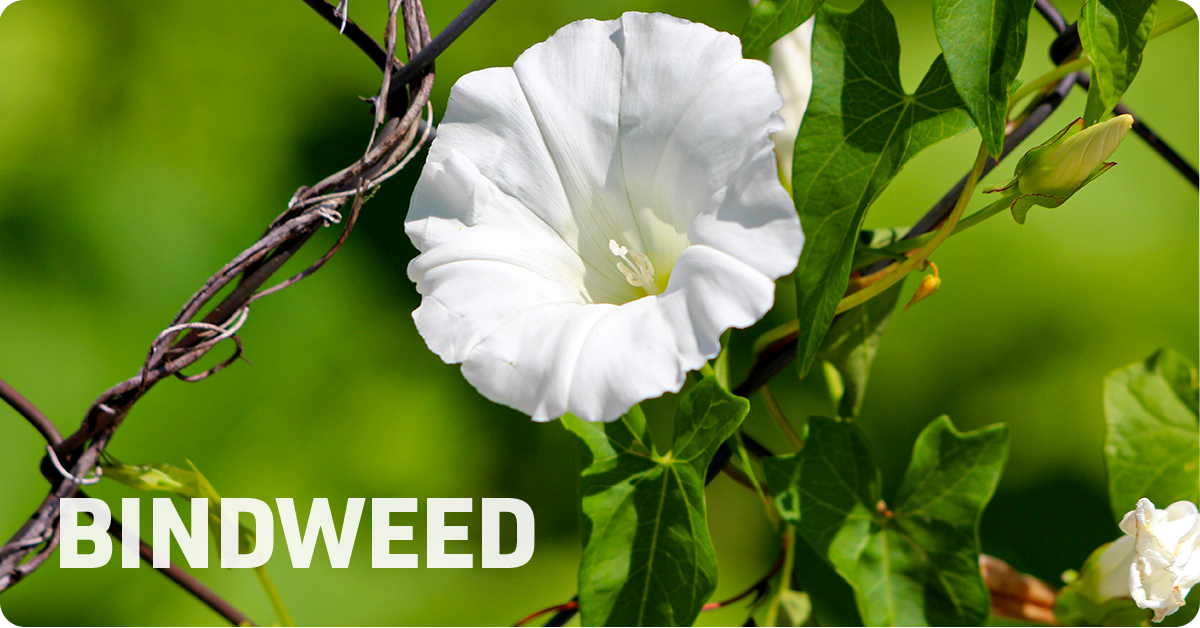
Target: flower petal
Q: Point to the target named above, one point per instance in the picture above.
(1113, 565)
(687, 141)
(486, 259)
(528, 362)
(598, 360)
(572, 83)
(791, 61)
(645, 348)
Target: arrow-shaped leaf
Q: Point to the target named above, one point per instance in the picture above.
(860, 129)
(918, 565)
(647, 556)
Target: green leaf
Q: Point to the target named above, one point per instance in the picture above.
(851, 343)
(860, 129)
(152, 477)
(771, 19)
(647, 556)
(984, 44)
(186, 484)
(1114, 35)
(918, 565)
(831, 596)
(1151, 446)
(163, 477)
(1073, 609)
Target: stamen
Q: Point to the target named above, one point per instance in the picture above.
(638, 271)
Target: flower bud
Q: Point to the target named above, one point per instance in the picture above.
(1049, 174)
(1071, 159)
(929, 285)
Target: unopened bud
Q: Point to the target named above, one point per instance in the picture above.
(929, 285)
(1049, 174)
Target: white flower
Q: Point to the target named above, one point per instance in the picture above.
(791, 61)
(591, 220)
(1155, 557)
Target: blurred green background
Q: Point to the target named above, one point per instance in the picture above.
(144, 144)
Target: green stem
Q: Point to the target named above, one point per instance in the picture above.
(272, 594)
(870, 256)
(785, 576)
(745, 458)
(1172, 24)
(1051, 77)
(918, 259)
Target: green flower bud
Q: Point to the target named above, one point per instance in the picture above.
(1049, 174)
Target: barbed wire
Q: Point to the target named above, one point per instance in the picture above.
(398, 134)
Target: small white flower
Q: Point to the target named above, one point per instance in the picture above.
(1157, 560)
(592, 219)
(791, 62)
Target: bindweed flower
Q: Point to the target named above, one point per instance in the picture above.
(592, 219)
(1049, 174)
(791, 62)
(1158, 559)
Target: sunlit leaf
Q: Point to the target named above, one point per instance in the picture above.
(1114, 35)
(1151, 446)
(984, 44)
(860, 129)
(647, 556)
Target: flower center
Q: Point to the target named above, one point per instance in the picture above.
(636, 267)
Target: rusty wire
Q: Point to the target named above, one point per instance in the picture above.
(184, 341)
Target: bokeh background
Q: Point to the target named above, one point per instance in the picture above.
(144, 144)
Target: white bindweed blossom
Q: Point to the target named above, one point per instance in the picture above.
(1157, 562)
(592, 219)
(791, 62)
